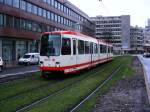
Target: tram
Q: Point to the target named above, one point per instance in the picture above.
(69, 52)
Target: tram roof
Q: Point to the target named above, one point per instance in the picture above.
(75, 33)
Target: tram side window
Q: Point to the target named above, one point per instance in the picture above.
(66, 46)
(74, 47)
(87, 47)
(103, 49)
(111, 49)
(95, 48)
(91, 48)
(108, 49)
(80, 46)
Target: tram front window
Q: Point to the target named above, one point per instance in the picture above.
(50, 45)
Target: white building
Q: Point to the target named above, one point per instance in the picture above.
(137, 39)
(147, 39)
(119, 29)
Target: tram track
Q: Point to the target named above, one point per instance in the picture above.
(82, 76)
(26, 91)
(35, 88)
(86, 98)
(42, 101)
(87, 75)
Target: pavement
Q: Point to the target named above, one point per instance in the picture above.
(146, 68)
(11, 71)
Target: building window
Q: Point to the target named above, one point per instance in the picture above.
(52, 2)
(48, 15)
(1, 19)
(52, 16)
(62, 20)
(44, 13)
(39, 28)
(65, 8)
(59, 6)
(34, 26)
(56, 17)
(35, 9)
(1, 1)
(56, 4)
(40, 11)
(28, 25)
(23, 24)
(8, 2)
(59, 20)
(44, 1)
(49, 2)
(16, 22)
(9, 21)
(16, 3)
(23, 5)
(29, 7)
(62, 8)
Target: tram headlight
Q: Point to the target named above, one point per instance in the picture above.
(41, 63)
(57, 64)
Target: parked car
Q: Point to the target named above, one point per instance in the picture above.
(146, 54)
(1, 64)
(29, 58)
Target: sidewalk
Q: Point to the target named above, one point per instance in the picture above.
(146, 69)
(11, 65)
(18, 70)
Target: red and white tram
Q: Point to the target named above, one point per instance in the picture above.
(69, 52)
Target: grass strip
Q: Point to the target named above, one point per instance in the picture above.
(125, 71)
(67, 99)
(17, 86)
(24, 99)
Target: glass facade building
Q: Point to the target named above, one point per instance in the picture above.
(23, 21)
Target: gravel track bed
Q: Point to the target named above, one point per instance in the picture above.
(127, 95)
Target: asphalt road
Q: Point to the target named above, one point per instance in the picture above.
(18, 70)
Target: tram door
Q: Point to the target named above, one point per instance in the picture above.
(75, 51)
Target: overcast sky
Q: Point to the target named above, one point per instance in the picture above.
(139, 10)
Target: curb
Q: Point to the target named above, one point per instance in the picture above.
(147, 84)
(19, 73)
(146, 81)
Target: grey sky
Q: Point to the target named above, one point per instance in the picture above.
(139, 10)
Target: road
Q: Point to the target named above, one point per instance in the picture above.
(18, 70)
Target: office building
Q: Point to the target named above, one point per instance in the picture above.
(23, 21)
(137, 40)
(115, 27)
